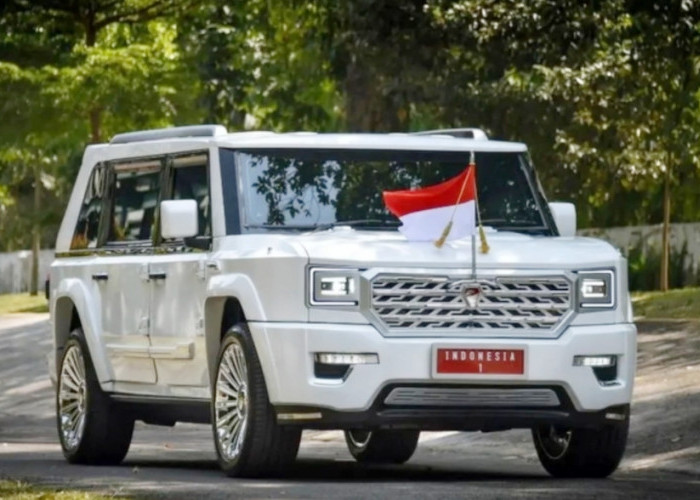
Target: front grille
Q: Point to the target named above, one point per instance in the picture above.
(430, 302)
(473, 397)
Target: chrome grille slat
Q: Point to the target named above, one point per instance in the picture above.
(496, 293)
(435, 302)
(472, 397)
(455, 306)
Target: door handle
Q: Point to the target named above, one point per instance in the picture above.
(100, 276)
(157, 275)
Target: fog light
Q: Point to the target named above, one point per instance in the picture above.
(595, 361)
(333, 358)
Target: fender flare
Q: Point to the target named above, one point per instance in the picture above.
(90, 315)
(219, 289)
(240, 287)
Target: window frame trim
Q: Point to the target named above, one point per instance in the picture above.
(105, 244)
(167, 189)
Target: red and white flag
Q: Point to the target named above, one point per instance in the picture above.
(427, 212)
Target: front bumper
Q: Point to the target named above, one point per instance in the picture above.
(286, 352)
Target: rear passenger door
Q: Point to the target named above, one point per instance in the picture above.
(177, 296)
(121, 272)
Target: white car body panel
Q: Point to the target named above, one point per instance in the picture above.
(156, 337)
(287, 348)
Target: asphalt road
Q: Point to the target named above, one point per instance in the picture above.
(663, 458)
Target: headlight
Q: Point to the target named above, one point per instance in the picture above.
(334, 287)
(596, 289)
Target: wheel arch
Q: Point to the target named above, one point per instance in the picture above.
(221, 313)
(73, 308)
(230, 298)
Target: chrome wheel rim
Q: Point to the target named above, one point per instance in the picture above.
(231, 401)
(359, 439)
(72, 398)
(554, 441)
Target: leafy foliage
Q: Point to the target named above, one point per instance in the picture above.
(605, 92)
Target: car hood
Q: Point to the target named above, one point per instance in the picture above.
(345, 246)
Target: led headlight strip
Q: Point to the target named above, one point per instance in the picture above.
(334, 287)
(596, 289)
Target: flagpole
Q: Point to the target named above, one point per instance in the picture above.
(474, 256)
(472, 163)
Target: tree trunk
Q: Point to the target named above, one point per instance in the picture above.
(666, 230)
(95, 126)
(36, 231)
(367, 108)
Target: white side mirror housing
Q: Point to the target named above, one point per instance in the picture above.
(565, 217)
(178, 219)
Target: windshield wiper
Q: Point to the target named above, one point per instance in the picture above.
(371, 223)
(508, 223)
(300, 227)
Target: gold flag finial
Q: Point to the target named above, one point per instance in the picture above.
(484, 247)
(443, 237)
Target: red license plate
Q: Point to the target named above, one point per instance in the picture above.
(486, 361)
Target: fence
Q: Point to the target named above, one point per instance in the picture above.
(642, 246)
(16, 270)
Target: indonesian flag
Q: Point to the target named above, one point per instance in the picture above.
(442, 211)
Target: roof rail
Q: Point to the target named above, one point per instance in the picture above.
(463, 133)
(169, 133)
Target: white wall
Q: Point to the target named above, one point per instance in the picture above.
(16, 270)
(650, 237)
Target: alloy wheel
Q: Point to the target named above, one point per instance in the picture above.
(231, 401)
(359, 438)
(72, 398)
(554, 441)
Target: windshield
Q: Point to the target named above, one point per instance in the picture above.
(316, 189)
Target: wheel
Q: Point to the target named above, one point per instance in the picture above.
(91, 429)
(249, 443)
(382, 446)
(567, 452)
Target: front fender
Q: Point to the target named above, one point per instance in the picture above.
(240, 287)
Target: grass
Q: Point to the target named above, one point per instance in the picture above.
(22, 302)
(19, 490)
(682, 303)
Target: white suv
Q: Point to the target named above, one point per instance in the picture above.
(257, 281)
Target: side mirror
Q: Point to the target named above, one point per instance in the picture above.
(178, 219)
(565, 217)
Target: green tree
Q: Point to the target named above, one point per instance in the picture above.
(92, 68)
(259, 66)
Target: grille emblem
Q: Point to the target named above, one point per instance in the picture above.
(472, 295)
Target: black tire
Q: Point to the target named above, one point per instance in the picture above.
(382, 446)
(581, 452)
(105, 434)
(261, 447)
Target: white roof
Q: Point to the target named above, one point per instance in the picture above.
(407, 142)
(305, 140)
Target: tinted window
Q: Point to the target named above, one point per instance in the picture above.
(87, 229)
(135, 199)
(190, 182)
(308, 188)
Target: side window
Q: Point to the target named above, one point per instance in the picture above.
(191, 182)
(136, 189)
(86, 231)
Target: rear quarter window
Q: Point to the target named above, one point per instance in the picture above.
(86, 232)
